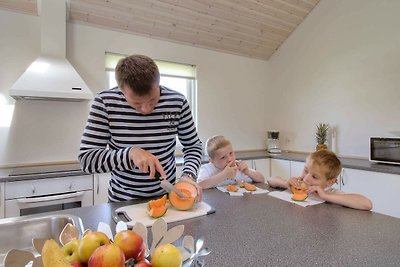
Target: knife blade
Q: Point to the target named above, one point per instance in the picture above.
(167, 186)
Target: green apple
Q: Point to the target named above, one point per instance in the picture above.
(89, 243)
(70, 250)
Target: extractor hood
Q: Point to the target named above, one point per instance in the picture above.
(51, 76)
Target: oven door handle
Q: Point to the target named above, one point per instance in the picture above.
(50, 198)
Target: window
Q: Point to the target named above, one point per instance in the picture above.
(176, 76)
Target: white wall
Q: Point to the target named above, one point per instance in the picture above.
(231, 90)
(342, 67)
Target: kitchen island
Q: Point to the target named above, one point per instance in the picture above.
(260, 230)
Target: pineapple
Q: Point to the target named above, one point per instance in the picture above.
(321, 135)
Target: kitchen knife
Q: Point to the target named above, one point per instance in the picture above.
(167, 186)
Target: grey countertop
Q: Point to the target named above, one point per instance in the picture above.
(260, 230)
(51, 171)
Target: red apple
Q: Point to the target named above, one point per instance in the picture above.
(89, 243)
(107, 256)
(131, 244)
(143, 263)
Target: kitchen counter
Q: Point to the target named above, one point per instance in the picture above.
(51, 171)
(259, 230)
(359, 164)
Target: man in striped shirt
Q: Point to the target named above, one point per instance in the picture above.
(131, 132)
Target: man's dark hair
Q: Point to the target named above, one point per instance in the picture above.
(138, 72)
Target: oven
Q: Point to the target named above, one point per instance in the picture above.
(34, 196)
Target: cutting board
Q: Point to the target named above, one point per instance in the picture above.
(139, 213)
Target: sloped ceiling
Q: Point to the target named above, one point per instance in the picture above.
(251, 28)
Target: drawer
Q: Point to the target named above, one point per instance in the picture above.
(40, 187)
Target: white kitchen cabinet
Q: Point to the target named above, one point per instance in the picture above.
(28, 197)
(296, 168)
(101, 184)
(263, 166)
(1, 200)
(381, 188)
(281, 168)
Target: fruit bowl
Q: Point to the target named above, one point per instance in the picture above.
(104, 245)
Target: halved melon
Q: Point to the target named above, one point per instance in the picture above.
(250, 187)
(300, 196)
(157, 212)
(186, 203)
(232, 188)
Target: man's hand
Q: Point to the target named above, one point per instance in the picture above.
(146, 162)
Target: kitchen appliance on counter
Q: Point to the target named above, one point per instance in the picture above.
(384, 150)
(273, 142)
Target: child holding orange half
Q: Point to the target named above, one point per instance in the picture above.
(319, 174)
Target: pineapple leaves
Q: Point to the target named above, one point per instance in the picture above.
(322, 132)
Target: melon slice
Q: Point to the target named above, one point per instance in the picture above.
(302, 188)
(300, 196)
(157, 207)
(157, 212)
(157, 202)
(232, 188)
(250, 187)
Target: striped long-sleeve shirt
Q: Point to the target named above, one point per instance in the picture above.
(113, 127)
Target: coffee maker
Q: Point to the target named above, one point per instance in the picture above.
(273, 142)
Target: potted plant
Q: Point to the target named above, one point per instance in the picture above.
(321, 136)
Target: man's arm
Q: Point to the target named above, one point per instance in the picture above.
(192, 146)
(94, 156)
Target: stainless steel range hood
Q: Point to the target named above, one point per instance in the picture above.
(51, 76)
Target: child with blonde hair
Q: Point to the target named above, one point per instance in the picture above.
(223, 168)
(319, 175)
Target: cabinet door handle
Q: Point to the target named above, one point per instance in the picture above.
(98, 184)
(50, 198)
(342, 177)
(254, 165)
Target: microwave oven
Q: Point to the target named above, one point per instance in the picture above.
(384, 150)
